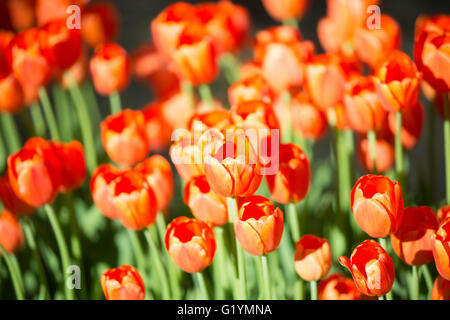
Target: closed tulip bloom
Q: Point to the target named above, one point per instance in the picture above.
(232, 166)
(306, 119)
(158, 174)
(441, 249)
(412, 125)
(398, 82)
(377, 205)
(371, 267)
(102, 189)
(258, 225)
(250, 89)
(61, 45)
(312, 257)
(441, 289)
(35, 174)
(48, 10)
(100, 23)
(157, 130)
(73, 164)
(11, 201)
(195, 56)
(11, 94)
(286, 9)
(123, 283)
(291, 182)
(443, 213)
(363, 106)
(204, 203)
(110, 68)
(413, 240)
(123, 137)
(384, 154)
(204, 119)
(22, 14)
(190, 243)
(187, 157)
(11, 234)
(338, 287)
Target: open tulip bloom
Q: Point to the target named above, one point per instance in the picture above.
(259, 165)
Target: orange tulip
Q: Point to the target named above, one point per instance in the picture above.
(443, 213)
(412, 125)
(22, 14)
(384, 154)
(177, 109)
(35, 173)
(205, 205)
(413, 240)
(61, 45)
(11, 94)
(73, 164)
(124, 283)
(431, 50)
(194, 56)
(78, 71)
(363, 106)
(102, 189)
(306, 119)
(125, 131)
(377, 205)
(250, 89)
(441, 289)
(258, 225)
(110, 68)
(374, 45)
(159, 176)
(371, 267)
(398, 82)
(286, 9)
(158, 132)
(134, 200)
(100, 23)
(291, 182)
(231, 166)
(10, 200)
(187, 157)
(282, 56)
(48, 10)
(338, 287)
(312, 257)
(190, 243)
(11, 234)
(204, 119)
(441, 249)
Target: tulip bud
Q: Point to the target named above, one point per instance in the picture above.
(258, 225)
(190, 243)
(123, 283)
(312, 257)
(338, 287)
(11, 94)
(377, 205)
(441, 289)
(11, 234)
(286, 9)
(441, 249)
(371, 267)
(306, 119)
(100, 23)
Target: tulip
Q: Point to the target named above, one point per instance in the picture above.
(377, 205)
(157, 130)
(48, 10)
(306, 119)
(110, 68)
(204, 119)
(11, 202)
(190, 243)
(384, 155)
(338, 287)
(250, 89)
(73, 164)
(441, 289)
(231, 166)
(11, 94)
(123, 283)
(397, 82)
(187, 157)
(443, 213)
(205, 205)
(371, 267)
(286, 9)
(312, 257)
(291, 182)
(11, 234)
(100, 23)
(412, 125)
(21, 14)
(159, 176)
(258, 225)
(441, 249)
(123, 137)
(134, 200)
(102, 189)
(413, 240)
(35, 174)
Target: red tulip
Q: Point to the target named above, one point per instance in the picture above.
(338, 287)
(312, 257)
(11, 234)
(100, 23)
(73, 164)
(48, 10)
(124, 283)
(443, 213)
(102, 189)
(258, 225)
(384, 154)
(306, 119)
(377, 205)
(187, 157)
(441, 249)
(250, 89)
(286, 9)
(412, 125)
(371, 267)
(11, 94)
(190, 243)
(441, 289)
(11, 202)
(21, 13)
(157, 130)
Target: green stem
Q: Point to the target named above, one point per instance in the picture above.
(266, 276)
(206, 95)
(62, 245)
(399, 151)
(10, 133)
(219, 265)
(49, 115)
(115, 103)
(29, 235)
(428, 278)
(447, 145)
(38, 119)
(63, 112)
(27, 123)
(3, 156)
(16, 276)
(287, 135)
(84, 121)
(200, 279)
(291, 23)
(138, 252)
(415, 287)
(313, 287)
(372, 138)
(231, 67)
(294, 222)
(189, 91)
(160, 270)
(431, 135)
